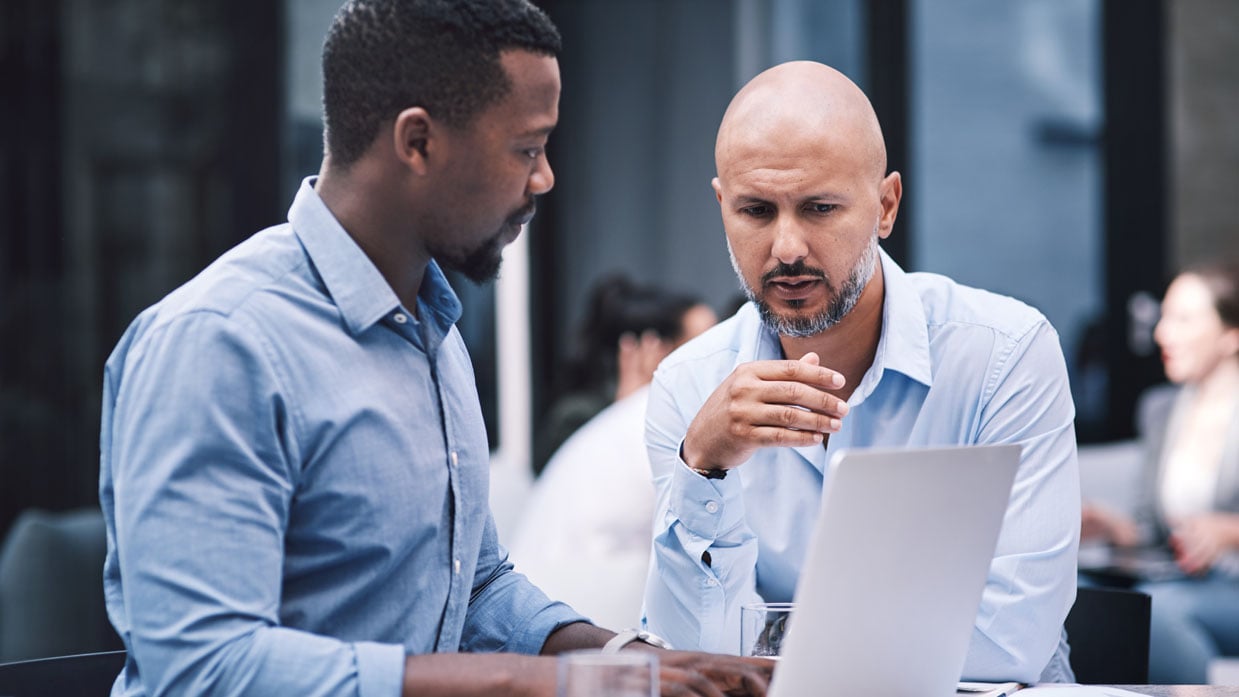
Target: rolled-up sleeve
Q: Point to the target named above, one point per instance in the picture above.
(506, 611)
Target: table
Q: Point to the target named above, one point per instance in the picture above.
(1183, 690)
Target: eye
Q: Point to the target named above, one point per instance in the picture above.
(533, 153)
(759, 210)
(822, 208)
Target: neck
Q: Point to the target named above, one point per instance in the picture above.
(1222, 382)
(361, 199)
(850, 346)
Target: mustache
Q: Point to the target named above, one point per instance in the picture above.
(525, 213)
(797, 269)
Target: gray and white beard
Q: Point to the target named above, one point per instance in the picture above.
(836, 310)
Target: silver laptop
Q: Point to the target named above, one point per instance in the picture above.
(893, 577)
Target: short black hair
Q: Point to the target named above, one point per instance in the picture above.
(383, 56)
(616, 306)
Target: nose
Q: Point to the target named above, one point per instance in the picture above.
(789, 241)
(542, 179)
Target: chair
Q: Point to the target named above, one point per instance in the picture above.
(86, 674)
(1108, 630)
(51, 586)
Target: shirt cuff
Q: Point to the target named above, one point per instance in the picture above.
(707, 507)
(380, 669)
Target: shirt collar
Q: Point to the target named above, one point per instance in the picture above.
(904, 345)
(354, 283)
(904, 342)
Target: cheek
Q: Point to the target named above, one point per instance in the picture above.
(746, 246)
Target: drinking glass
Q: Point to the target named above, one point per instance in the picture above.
(763, 627)
(594, 674)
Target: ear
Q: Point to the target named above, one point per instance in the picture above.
(718, 190)
(411, 138)
(890, 192)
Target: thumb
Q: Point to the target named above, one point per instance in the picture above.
(811, 358)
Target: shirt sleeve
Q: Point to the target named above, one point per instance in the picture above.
(704, 561)
(506, 611)
(203, 468)
(1031, 583)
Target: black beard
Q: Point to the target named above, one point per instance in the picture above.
(480, 265)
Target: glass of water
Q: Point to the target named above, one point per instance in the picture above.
(763, 627)
(595, 674)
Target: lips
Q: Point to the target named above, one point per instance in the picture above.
(523, 216)
(793, 288)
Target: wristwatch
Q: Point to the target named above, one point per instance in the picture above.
(628, 636)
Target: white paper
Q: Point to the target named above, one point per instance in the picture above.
(1076, 691)
(986, 689)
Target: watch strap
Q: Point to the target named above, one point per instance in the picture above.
(628, 636)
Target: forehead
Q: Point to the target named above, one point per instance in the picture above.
(1188, 293)
(531, 106)
(770, 163)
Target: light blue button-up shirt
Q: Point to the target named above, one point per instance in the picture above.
(954, 365)
(294, 477)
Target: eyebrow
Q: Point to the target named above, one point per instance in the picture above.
(538, 132)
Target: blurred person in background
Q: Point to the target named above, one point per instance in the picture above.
(624, 328)
(1190, 492)
(585, 535)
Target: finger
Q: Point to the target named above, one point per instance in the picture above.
(801, 395)
(811, 358)
(799, 371)
(677, 682)
(755, 684)
(774, 437)
(795, 418)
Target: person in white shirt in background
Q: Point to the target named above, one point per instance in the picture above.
(585, 536)
(1190, 493)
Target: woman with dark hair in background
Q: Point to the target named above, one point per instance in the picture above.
(1191, 494)
(626, 332)
(586, 532)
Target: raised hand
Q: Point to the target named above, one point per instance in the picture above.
(765, 403)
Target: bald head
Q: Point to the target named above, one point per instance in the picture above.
(799, 104)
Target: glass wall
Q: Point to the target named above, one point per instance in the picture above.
(1005, 184)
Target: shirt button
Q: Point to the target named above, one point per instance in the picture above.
(400, 318)
(711, 507)
(712, 582)
(456, 565)
(455, 459)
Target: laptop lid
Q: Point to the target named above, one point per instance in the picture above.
(888, 595)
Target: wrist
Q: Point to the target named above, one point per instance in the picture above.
(628, 637)
(707, 472)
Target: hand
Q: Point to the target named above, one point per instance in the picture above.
(765, 403)
(1099, 522)
(1200, 540)
(713, 675)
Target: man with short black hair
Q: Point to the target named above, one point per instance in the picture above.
(294, 468)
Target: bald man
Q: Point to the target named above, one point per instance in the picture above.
(840, 348)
